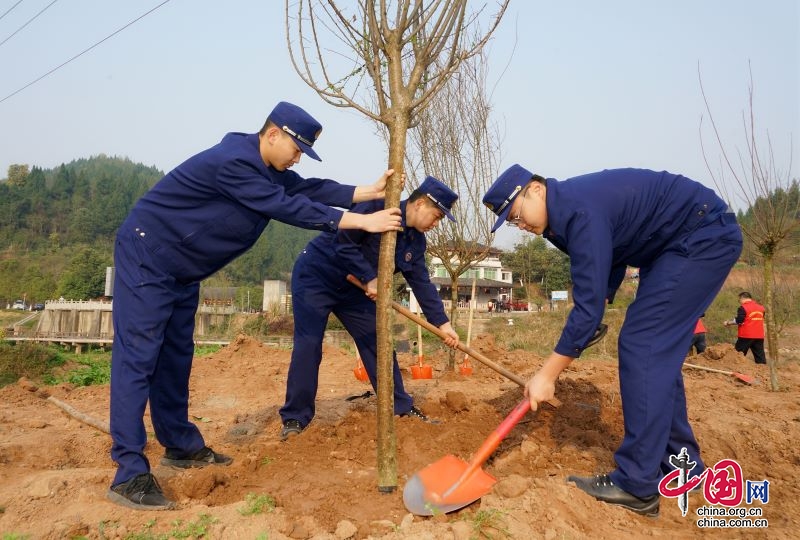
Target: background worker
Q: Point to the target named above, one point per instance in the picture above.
(750, 332)
(684, 241)
(699, 337)
(320, 287)
(194, 221)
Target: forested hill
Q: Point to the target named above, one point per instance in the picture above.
(57, 229)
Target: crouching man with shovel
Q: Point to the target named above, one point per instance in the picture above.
(320, 287)
(684, 241)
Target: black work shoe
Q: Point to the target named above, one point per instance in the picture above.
(603, 489)
(416, 413)
(202, 458)
(291, 428)
(141, 492)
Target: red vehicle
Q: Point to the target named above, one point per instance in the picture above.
(512, 305)
(518, 305)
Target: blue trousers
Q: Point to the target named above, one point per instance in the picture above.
(319, 288)
(674, 290)
(151, 359)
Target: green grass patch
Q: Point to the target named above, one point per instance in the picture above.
(257, 504)
(179, 529)
(489, 524)
(205, 350)
(15, 536)
(82, 369)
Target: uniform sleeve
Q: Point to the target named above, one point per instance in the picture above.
(288, 199)
(614, 281)
(589, 242)
(349, 244)
(419, 280)
(741, 315)
(322, 190)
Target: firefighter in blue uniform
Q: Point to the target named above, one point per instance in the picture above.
(684, 241)
(195, 220)
(320, 287)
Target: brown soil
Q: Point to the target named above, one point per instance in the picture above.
(55, 470)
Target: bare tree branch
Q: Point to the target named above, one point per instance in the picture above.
(772, 209)
(407, 59)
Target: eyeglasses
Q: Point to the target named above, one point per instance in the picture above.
(297, 136)
(514, 222)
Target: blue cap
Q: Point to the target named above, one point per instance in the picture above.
(299, 125)
(441, 195)
(505, 189)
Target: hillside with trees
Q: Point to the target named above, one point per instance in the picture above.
(57, 230)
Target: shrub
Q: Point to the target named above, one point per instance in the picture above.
(26, 359)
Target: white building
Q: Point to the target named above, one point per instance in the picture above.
(492, 282)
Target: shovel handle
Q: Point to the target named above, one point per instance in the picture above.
(741, 376)
(695, 366)
(493, 441)
(461, 347)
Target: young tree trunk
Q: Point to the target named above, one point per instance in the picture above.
(451, 359)
(387, 438)
(770, 327)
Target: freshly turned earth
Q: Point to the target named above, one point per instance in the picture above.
(55, 470)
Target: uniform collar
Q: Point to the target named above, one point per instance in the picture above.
(403, 205)
(555, 209)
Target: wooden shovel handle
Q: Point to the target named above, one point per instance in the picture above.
(555, 402)
(493, 441)
(741, 376)
(704, 368)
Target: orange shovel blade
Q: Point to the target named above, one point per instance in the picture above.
(420, 371)
(465, 368)
(439, 488)
(451, 483)
(360, 371)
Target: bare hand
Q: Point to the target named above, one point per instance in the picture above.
(372, 289)
(382, 221)
(377, 222)
(452, 337)
(540, 388)
(379, 187)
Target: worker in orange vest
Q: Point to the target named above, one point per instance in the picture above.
(750, 319)
(699, 338)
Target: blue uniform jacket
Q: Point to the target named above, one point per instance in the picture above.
(214, 206)
(612, 219)
(356, 252)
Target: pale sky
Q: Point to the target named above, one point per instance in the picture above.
(590, 85)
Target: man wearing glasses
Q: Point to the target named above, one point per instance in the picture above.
(681, 236)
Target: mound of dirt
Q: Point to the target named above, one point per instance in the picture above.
(55, 470)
